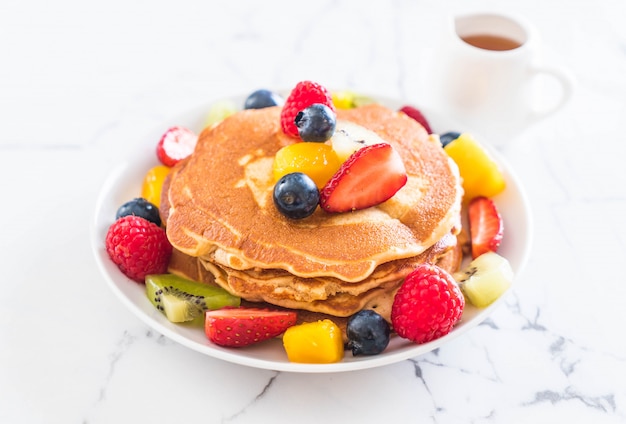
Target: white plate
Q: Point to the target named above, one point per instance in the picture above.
(125, 183)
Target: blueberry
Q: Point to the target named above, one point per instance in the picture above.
(261, 99)
(368, 333)
(296, 196)
(140, 207)
(448, 137)
(316, 123)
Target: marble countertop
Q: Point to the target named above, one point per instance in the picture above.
(80, 83)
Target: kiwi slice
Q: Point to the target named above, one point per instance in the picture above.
(219, 111)
(485, 279)
(184, 300)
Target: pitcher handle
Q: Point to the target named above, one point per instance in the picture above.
(566, 81)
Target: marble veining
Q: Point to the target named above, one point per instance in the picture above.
(81, 84)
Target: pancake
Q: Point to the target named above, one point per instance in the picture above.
(318, 294)
(338, 307)
(220, 206)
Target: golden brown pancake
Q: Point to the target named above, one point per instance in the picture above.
(445, 256)
(225, 229)
(221, 204)
(318, 294)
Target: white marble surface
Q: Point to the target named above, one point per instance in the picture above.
(80, 81)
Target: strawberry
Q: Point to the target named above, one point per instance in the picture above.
(303, 95)
(175, 145)
(486, 226)
(367, 178)
(138, 247)
(416, 114)
(427, 305)
(238, 327)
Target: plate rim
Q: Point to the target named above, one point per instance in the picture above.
(106, 267)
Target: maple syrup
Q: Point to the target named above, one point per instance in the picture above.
(491, 42)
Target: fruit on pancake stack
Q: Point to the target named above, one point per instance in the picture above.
(315, 219)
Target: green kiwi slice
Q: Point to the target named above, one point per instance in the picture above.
(183, 300)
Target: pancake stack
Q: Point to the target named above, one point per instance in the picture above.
(221, 220)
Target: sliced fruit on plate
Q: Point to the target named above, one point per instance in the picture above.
(183, 300)
(481, 174)
(239, 327)
(219, 111)
(369, 177)
(175, 145)
(485, 279)
(152, 184)
(486, 226)
(318, 342)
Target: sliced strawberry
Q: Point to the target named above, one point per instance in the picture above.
(175, 145)
(416, 114)
(486, 226)
(303, 95)
(238, 327)
(367, 178)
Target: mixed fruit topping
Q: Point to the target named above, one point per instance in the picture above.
(303, 95)
(296, 195)
(352, 167)
(370, 176)
(340, 167)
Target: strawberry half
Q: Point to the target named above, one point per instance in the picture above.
(417, 115)
(239, 327)
(303, 95)
(486, 226)
(370, 176)
(175, 145)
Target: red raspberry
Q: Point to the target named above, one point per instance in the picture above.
(304, 94)
(138, 247)
(416, 114)
(427, 305)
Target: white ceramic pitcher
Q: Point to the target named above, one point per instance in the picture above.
(498, 92)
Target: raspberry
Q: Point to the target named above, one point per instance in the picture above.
(416, 114)
(303, 95)
(427, 305)
(138, 247)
